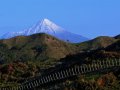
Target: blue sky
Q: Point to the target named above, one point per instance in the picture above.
(90, 18)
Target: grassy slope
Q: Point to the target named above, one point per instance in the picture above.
(99, 42)
(36, 47)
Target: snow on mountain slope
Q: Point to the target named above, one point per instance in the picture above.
(48, 27)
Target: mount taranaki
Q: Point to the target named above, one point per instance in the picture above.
(48, 27)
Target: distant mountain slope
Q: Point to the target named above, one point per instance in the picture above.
(117, 37)
(34, 47)
(99, 42)
(48, 27)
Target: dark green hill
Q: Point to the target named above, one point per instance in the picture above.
(117, 37)
(99, 42)
(34, 47)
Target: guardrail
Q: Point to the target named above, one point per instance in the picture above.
(66, 73)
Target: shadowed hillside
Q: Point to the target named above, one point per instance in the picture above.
(114, 47)
(117, 37)
(99, 42)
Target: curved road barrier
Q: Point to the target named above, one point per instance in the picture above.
(66, 73)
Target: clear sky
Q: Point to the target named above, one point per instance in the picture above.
(89, 18)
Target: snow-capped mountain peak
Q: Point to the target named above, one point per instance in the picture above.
(45, 26)
(49, 23)
(48, 27)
